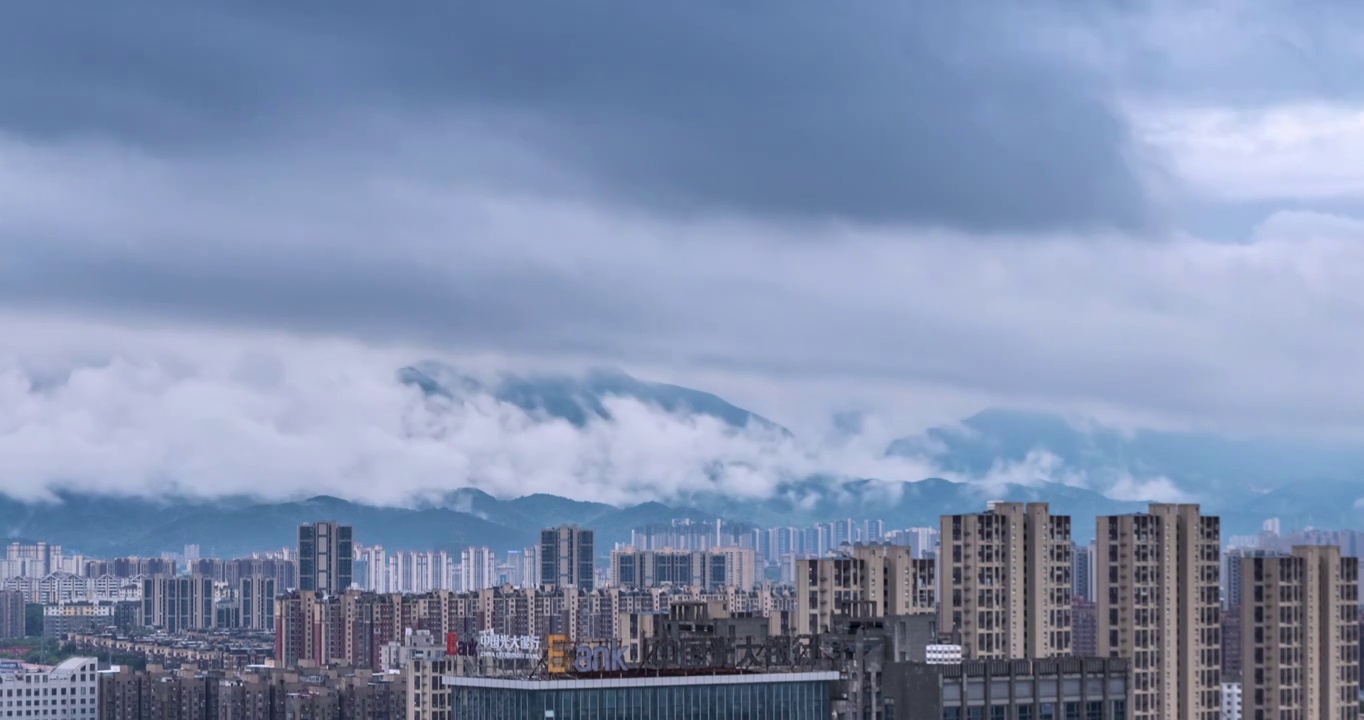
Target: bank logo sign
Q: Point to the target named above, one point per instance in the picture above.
(564, 656)
(602, 658)
(489, 644)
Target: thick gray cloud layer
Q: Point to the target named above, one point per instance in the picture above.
(796, 206)
(960, 114)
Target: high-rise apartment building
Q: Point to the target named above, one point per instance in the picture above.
(178, 604)
(1082, 571)
(705, 569)
(1231, 573)
(567, 557)
(1300, 634)
(867, 581)
(530, 572)
(1158, 606)
(1005, 581)
(477, 569)
(256, 602)
(12, 614)
(325, 556)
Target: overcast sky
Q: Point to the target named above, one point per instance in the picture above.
(223, 225)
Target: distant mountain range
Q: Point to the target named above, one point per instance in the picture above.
(105, 526)
(1245, 481)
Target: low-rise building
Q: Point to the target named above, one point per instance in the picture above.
(1024, 689)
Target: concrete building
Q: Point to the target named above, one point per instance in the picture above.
(868, 581)
(567, 557)
(12, 615)
(1300, 634)
(128, 567)
(640, 569)
(34, 560)
(788, 695)
(253, 693)
(1082, 571)
(1231, 573)
(1231, 643)
(1231, 699)
(1084, 624)
(68, 691)
(1059, 689)
(177, 604)
(477, 569)
(1158, 607)
(1006, 582)
(741, 567)
(326, 552)
(72, 618)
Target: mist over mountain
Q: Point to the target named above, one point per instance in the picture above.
(604, 449)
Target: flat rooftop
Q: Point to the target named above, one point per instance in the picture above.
(634, 681)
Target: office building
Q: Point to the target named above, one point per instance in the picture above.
(1158, 606)
(1006, 581)
(1300, 634)
(866, 581)
(567, 557)
(786, 695)
(68, 691)
(325, 556)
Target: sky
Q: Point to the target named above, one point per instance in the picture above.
(224, 226)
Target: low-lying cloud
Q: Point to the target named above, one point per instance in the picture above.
(141, 413)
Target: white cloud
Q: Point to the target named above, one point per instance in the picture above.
(145, 412)
(1299, 151)
(1155, 489)
(915, 324)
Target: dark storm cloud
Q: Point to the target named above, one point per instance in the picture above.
(937, 113)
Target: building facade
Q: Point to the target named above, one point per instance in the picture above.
(1006, 581)
(1300, 634)
(178, 604)
(326, 554)
(865, 581)
(639, 569)
(12, 614)
(788, 696)
(1056, 689)
(68, 691)
(1159, 607)
(567, 557)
